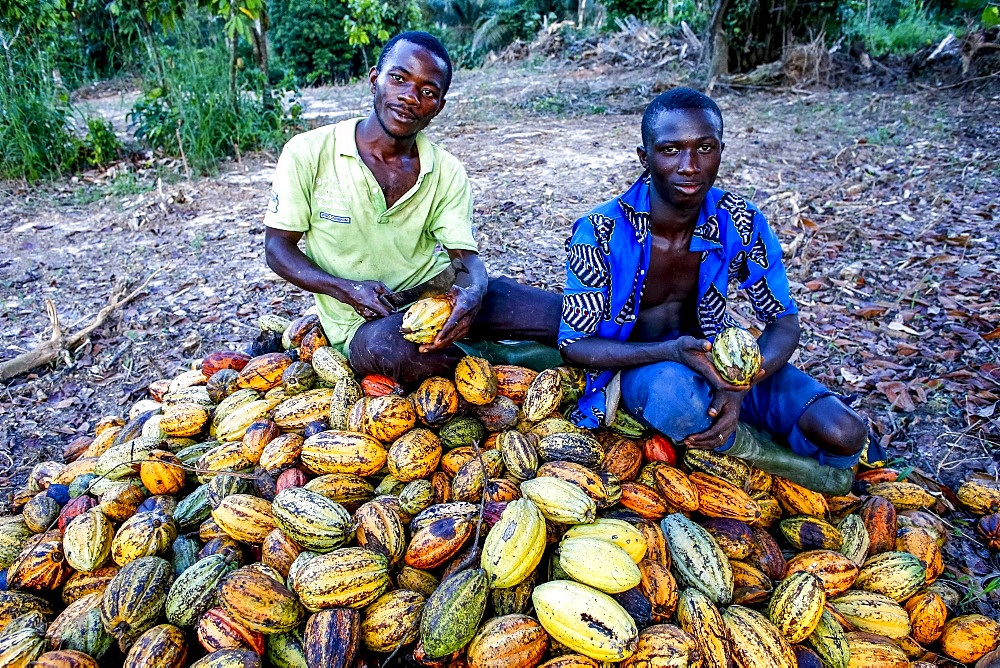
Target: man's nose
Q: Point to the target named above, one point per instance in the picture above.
(408, 94)
(688, 163)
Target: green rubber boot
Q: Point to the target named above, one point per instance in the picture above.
(758, 449)
(536, 356)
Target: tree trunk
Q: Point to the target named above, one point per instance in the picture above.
(581, 13)
(149, 41)
(234, 43)
(259, 32)
(718, 46)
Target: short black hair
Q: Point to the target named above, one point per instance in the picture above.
(425, 40)
(673, 100)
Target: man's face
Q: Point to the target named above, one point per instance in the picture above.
(409, 90)
(683, 154)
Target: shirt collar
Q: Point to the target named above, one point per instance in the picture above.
(347, 144)
(634, 202)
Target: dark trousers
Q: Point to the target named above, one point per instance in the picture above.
(509, 311)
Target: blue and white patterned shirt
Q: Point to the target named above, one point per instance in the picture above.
(608, 257)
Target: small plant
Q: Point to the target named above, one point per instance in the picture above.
(101, 146)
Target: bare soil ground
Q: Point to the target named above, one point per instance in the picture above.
(885, 200)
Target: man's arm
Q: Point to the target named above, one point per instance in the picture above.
(284, 257)
(598, 353)
(777, 343)
(467, 297)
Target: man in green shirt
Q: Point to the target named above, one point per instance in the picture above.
(374, 199)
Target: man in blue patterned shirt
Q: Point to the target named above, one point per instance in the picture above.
(647, 279)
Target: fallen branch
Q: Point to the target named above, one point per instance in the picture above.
(59, 343)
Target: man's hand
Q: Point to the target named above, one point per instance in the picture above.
(466, 303)
(725, 408)
(695, 354)
(363, 297)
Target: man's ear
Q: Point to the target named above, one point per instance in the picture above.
(722, 146)
(372, 76)
(640, 151)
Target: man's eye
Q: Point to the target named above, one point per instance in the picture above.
(428, 92)
(670, 150)
(396, 77)
(706, 148)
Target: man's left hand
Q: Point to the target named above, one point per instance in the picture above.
(725, 408)
(467, 302)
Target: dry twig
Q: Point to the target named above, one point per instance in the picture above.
(60, 343)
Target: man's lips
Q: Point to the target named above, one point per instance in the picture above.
(402, 114)
(688, 188)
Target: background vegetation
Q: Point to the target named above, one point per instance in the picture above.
(218, 77)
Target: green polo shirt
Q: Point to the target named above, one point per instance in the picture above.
(323, 188)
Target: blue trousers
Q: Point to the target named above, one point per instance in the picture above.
(673, 399)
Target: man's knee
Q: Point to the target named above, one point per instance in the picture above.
(834, 427)
(669, 397)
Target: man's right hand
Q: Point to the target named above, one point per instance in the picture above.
(696, 355)
(363, 297)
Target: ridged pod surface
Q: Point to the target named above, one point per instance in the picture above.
(806, 532)
(928, 614)
(836, 571)
(79, 627)
(380, 529)
(829, 641)
(519, 455)
(163, 646)
(514, 546)
(217, 630)
(599, 564)
(229, 658)
(144, 534)
(301, 409)
(264, 371)
(903, 495)
(730, 469)
(969, 637)
(194, 590)
(660, 588)
(453, 612)
(699, 617)
(87, 541)
(135, 597)
(676, 488)
(643, 500)
(797, 500)
(245, 518)
(387, 418)
(393, 620)
(476, 380)
(619, 532)
(869, 649)
(855, 544)
(879, 517)
(560, 501)
(311, 520)
(604, 488)
(579, 448)
(733, 536)
(898, 575)
(585, 620)
(350, 577)
(663, 645)
(736, 355)
(510, 640)
(19, 648)
(513, 381)
(544, 396)
(921, 544)
(438, 542)
(720, 498)
(414, 455)
(796, 605)
(332, 637)
(425, 318)
(343, 452)
(259, 602)
(698, 559)
(41, 565)
(873, 613)
(755, 640)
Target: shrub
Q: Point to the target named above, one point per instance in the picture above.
(195, 117)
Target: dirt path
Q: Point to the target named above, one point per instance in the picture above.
(885, 202)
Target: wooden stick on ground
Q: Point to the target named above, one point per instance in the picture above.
(59, 341)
